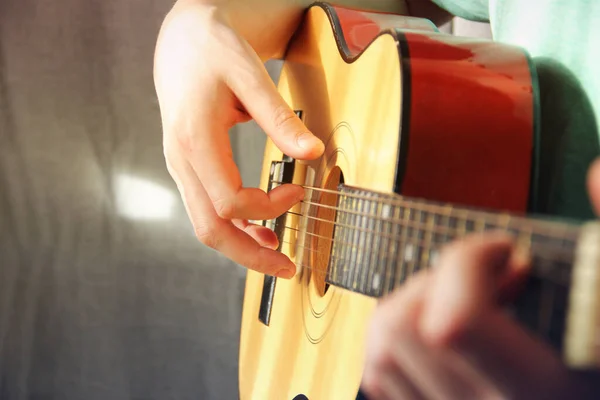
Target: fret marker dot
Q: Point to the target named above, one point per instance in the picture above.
(409, 252)
(376, 281)
(434, 257)
(386, 210)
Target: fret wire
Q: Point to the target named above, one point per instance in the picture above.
(447, 224)
(332, 270)
(304, 222)
(425, 260)
(367, 243)
(422, 239)
(371, 243)
(361, 242)
(351, 232)
(543, 225)
(480, 225)
(532, 272)
(410, 249)
(398, 246)
(340, 232)
(332, 263)
(462, 220)
(504, 221)
(354, 232)
(345, 217)
(375, 260)
(564, 234)
(308, 267)
(365, 240)
(347, 235)
(462, 217)
(380, 245)
(390, 250)
(415, 248)
(378, 262)
(328, 263)
(375, 241)
(405, 234)
(545, 311)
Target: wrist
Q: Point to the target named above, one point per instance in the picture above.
(267, 25)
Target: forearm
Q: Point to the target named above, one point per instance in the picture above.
(391, 6)
(268, 25)
(415, 8)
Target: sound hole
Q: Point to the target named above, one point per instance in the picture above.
(300, 397)
(324, 229)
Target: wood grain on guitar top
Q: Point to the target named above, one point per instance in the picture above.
(354, 75)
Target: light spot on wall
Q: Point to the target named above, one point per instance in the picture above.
(141, 199)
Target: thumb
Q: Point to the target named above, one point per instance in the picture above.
(593, 181)
(255, 89)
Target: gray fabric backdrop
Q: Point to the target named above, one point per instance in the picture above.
(104, 291)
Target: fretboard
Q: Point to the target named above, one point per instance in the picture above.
(381, 240)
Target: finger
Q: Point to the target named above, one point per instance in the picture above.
(198, 109)
(223, 235)
(460, 314)
(435, 373)
(263, 235)
(395, 386)
(593, 181)
(384, 376)
(513, 361)
(467, 282)
(253, 86)
(204, 141)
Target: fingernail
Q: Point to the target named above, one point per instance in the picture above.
(301, 195)
(309, 141)
(521, 258)
(285, 274)
(272, 246)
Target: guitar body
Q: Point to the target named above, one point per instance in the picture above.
(402, 109)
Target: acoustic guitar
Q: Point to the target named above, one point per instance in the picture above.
(428, 137)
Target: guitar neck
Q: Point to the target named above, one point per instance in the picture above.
(381, 240)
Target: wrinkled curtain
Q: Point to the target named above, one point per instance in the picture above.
(104, 291)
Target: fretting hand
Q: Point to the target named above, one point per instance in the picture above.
(444, 336)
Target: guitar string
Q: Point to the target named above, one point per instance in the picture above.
(439, 210)
(505, 218)
(416, 224)
(540, 271)
(447, 211)
(405, 272)
(384, 286)
(384, 289)
(447, 232)
(423, 243)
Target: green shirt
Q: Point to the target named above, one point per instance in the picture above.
(563, 39)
